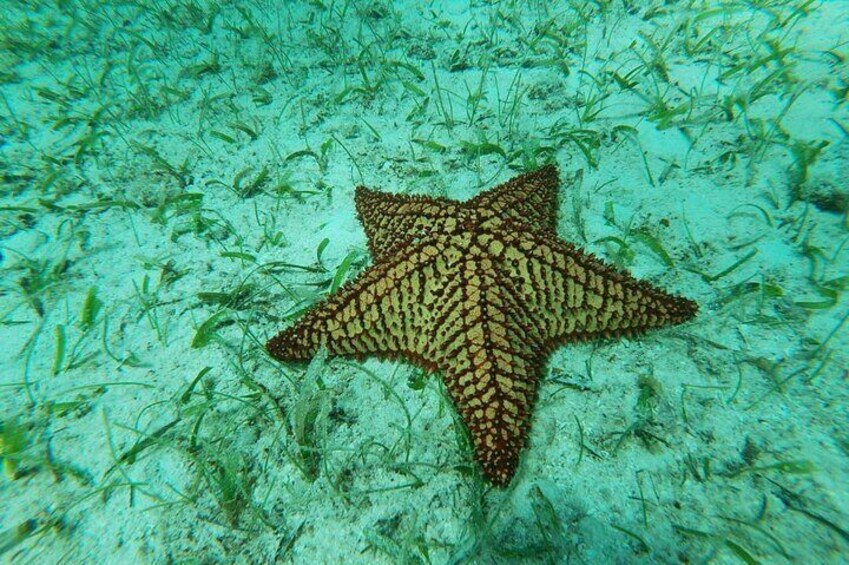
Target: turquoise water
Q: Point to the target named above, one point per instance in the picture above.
(178, 186)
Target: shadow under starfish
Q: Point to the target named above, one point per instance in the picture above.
(482, 291)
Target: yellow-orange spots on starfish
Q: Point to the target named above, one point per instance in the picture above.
(481, 291)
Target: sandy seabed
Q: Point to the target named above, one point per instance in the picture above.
(177, 186)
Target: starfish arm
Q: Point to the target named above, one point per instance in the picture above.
(495, 404)
(573, 296)
(530, 198)
(491, 361)
(384, 311)
(391, 220)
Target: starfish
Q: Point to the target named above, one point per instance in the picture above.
(481, 291)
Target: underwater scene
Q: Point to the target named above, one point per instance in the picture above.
(441, 282)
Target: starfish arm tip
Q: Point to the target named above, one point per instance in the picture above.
(290, 345)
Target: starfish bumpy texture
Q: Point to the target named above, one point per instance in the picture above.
(481, 291)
